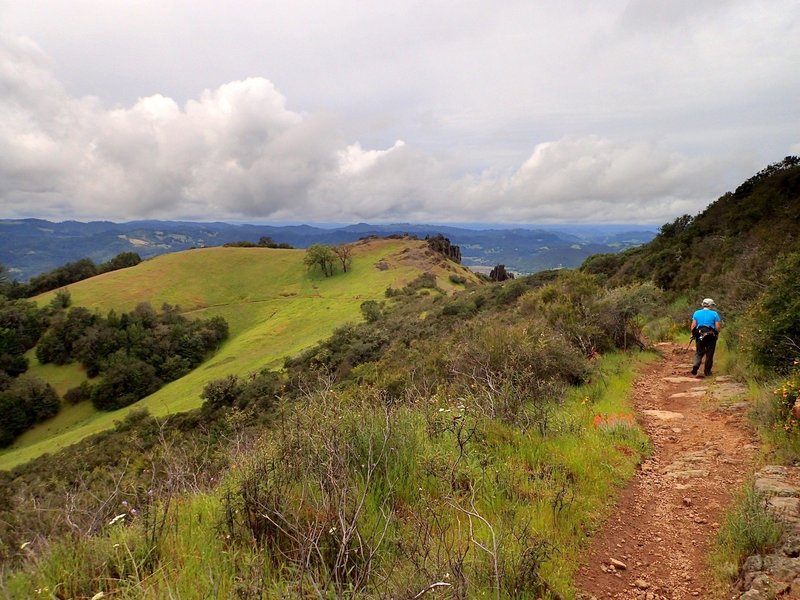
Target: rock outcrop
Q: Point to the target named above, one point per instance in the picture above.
(499, 273)
(439, 243)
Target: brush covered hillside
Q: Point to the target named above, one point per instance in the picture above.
(273, 304)
(451, 446)
(727, 250)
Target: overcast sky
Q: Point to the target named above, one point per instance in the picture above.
(531, 111)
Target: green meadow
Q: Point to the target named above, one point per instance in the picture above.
(274, 306)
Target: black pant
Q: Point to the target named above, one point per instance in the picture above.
(705, 347)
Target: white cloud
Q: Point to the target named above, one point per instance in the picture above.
(607, 115)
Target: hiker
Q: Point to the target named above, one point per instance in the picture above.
(705, 329)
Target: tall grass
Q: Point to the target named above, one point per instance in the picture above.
(353, 497)
(749, 528)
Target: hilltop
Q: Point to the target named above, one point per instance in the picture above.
(274, 307)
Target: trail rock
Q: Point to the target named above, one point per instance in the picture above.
(663, 415)
(618, 564)
(774, 574)
(791, 547)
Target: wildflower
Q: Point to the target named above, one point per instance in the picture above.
(134, 511)
(119, 517)
(125, 503)
(24, 545)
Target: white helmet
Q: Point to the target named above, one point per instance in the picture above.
(709, 302)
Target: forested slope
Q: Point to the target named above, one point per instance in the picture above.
(727, 250)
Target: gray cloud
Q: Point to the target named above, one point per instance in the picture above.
(521, 112)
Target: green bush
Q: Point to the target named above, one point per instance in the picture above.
(26, 401)
(458, 279)
(774, 321)
(124, 382)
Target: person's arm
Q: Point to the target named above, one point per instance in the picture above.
(718, 324)
(693, 325)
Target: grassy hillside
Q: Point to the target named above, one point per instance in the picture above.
(275, 308)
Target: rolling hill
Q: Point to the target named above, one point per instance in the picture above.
(274, 306)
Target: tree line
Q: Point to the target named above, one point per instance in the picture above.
(127, 356)
(263, 242)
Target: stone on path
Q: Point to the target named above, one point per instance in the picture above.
(679, 379)
(690, 394)
(663, 415)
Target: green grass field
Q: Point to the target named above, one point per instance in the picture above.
(274, 306)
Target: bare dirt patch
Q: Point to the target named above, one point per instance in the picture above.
(655, 544)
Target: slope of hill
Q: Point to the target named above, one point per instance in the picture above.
(275, 308)
(29, 247)
(727, 250)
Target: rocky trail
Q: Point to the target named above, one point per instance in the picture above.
(655, 544)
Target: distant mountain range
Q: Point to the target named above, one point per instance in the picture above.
(29, 247)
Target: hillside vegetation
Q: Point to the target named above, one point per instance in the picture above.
(727, 250)
(464, 444)
(274, 306)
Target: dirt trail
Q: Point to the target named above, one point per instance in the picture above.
(654, 545)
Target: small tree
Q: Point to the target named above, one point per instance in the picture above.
(345, 255)
(319, 255)
(371, 310)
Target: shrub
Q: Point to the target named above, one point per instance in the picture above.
(774, 321)
(221, 392)
(371, 310)
(458, 279)
(78, 393)
(26, 401)
(424, 280)
(515, 372)
(621, 310)
(125, 381)
(570, 304)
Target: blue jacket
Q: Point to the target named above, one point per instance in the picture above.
(706, 317)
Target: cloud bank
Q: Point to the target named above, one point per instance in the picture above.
(239, 152)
